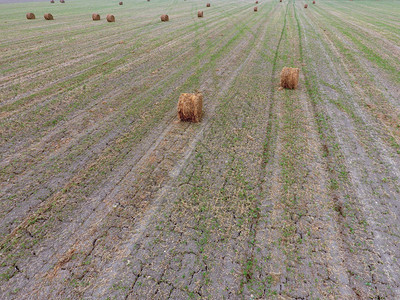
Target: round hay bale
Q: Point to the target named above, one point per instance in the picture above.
(208, 5)
(280, 0)
(255, 8)
(313, 2)
(121, 3)
(51, 1)
(95, 17)
(164, 18)
(200, 14)
(110, 18)
(290, 78)
(62, 1)
(256, 2)
(305, 5)
(30, 16)
(48, 16)
(190, 107)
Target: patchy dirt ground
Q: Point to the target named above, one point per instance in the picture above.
(290, 194)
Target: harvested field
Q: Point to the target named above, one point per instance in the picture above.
(274, 194)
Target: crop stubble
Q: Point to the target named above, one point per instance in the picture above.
(290, 193)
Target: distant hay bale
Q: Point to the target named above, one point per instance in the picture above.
(164, 18)
(48, 16)
(256, 2)
(255, 8)
(305, 5)
(30, 16)
(110, 18)
(51, 1)
(95, 17)
(200, 14)
(280, 0)
(190, 107)
(208, 5)
(121, 3)
(313, 2)
(290, 78)
(62, 1)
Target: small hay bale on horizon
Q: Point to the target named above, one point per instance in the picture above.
(48, 16)
(208, 5)
(256, 2)
(305, 5)
(51, 1)
(290, 78)
(30, 16)
(110, 18)
(121, 3)
(62, 1)
(95, 17)
(190, 107)
(313, 2)
(164, 18)
(200, 14)
(255, 8)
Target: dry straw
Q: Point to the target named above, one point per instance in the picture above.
(110, 18)
(190, 107)
(95, 17)
(164, 18)
(48, 16)
(290, 78)
(200, 14)
(30, 16)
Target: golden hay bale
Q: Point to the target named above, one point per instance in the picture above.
(290, 78)
(255, 8)
(190, 107)
(95, 17)
(200, 14)
(208, 5)
(48, 16)
(121, 3)
(164, 18)
(30, 16)
(305, 5)
(110, 18)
